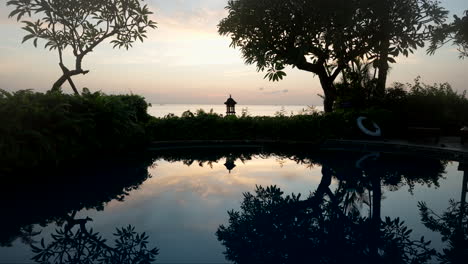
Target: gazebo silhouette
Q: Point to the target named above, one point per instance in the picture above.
(230, 106)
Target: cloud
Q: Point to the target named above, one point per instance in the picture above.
(201, 20)
(276, 91)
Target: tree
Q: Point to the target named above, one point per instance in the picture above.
(273, 228)
(457, 31)
(82, 25)
(400, 27)
(324, 36)
(75, 243)
(452, 226)
(318, 36)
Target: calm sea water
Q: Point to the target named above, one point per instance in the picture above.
(161, 110)
(179, 199)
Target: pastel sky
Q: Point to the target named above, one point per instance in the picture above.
(185, 61)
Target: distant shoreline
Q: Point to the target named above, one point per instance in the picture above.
(161, 110)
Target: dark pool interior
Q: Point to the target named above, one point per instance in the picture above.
(239, 205)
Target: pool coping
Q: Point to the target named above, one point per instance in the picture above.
(386, 146)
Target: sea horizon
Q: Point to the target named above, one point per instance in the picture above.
(162, 110)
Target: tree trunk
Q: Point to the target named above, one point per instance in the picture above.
(66, 76)
(383, 12)
(383, 68)
(375, 220)
(328, 102)
(329, 91)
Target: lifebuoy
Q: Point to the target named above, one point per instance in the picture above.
(376, 133)
(374, 156)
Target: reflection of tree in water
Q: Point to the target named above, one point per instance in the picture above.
(272, 228)
(452, 225)
(328, 227)
(43, 197)
(74, 243)
(395, 170)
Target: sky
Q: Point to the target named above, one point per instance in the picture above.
(185, 61)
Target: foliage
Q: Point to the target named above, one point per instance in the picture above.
(452, 226)
(436, 105)
(323, 36)
(82, 25)
(309, 35)
(49, 129)
(87, 246)
(399, 27)
(312, 126)
(357, 85)
(271, 228)
(89, 184)
(457, 31)
(410, 104)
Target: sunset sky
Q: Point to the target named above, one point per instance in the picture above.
(185, 61)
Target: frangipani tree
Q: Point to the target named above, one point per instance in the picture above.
(324, 36)
(317, 36)
(457, 32)
(400, 27)
(80, 26)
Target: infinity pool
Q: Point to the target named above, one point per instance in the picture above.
(181, 198)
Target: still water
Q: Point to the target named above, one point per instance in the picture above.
(181, 198)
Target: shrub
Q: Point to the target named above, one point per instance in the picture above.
(310, 127)
(436, 105)
(51, 128)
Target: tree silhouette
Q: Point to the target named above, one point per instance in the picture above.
(452, 225)
(457, 31)
(400, 27)
(91, 186)
(310, 35)
(74, 243)
(324, 36)
(82, 25)
(327, 226)
(273, 228)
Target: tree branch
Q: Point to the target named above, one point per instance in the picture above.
(302, 64)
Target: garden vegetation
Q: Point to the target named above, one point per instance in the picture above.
(53, 128)
(49, 129)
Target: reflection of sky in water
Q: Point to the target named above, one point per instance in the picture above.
(181, 207)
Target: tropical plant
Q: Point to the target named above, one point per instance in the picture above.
(452, 226)
(273, 228)
(433, 105)
(48, 129)
(323, 36)
(80, 245)
(399, 27)
(457, 31)
(309, 35)
(81, 25)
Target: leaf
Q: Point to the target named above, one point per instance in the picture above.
(27, 37)
(14, 12)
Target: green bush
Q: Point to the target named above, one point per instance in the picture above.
(436, 105)
(48, 129)
(310, 127)
(411, 104)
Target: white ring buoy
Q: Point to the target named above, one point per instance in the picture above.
(376, 133)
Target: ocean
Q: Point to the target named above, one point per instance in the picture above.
(161, 110)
